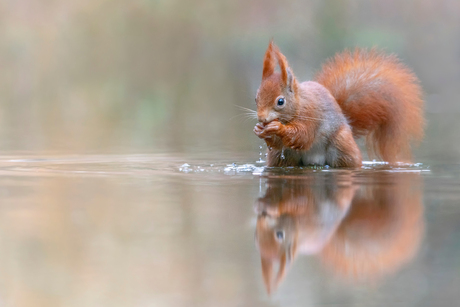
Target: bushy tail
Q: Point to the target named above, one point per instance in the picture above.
(380, 97)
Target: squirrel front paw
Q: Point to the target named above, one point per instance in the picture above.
(267, 131)
(259, 127)
(293, 143)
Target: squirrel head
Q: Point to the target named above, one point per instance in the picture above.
(276, 239)
(276, 96)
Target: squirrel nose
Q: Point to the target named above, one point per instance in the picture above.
(263, 120)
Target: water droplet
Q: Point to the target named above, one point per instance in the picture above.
(282, 154)
(260, 187)
(260, 152)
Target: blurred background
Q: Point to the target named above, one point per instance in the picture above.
(142, 76)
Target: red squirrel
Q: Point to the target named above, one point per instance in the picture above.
(356, 94)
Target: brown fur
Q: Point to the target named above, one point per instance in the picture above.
(381, 232)
(269, 62)
(377, 95)
(381, 98)
(349, 152)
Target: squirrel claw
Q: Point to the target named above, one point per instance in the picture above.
(258, 129)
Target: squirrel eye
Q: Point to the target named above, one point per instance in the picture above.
(281, 101)
(280, 235)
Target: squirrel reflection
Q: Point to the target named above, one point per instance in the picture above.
(360, 231)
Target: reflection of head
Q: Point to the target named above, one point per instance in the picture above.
(277, 242)
(363, 235)
(295, 215)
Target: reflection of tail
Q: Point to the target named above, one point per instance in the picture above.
(381, 232)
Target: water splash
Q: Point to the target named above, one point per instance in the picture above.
(228, 169)
(397, 167)
(258, 169)
(234, 168)
(185, 168)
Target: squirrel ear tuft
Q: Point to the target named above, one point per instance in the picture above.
(286, 73)
(290, 80)
(269, 62)
(267, 272)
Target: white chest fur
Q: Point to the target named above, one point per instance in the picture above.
(316, 155)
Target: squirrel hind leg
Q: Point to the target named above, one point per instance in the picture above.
(346, 151)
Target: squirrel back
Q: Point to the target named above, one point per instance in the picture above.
(381, 99)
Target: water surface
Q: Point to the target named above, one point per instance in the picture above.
(165, 230)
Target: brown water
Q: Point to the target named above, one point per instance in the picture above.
(147, 230)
